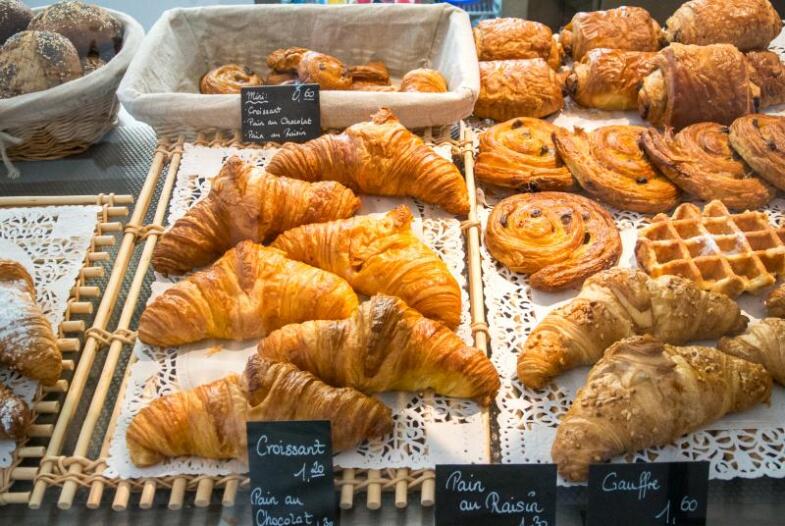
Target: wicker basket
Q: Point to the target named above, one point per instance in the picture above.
(67, 119)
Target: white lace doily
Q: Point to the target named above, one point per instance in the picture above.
(428, 429)
(51, 243)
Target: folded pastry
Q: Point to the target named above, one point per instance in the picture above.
(325, 70)
(700, 161)
(520, 154)
(644, 393)
(379, 255)
(374, 72)
(763, 342)
(691, 84)
(209, 421)
(610, 165)
(230, 78)
(377, 157)
(286, 60)
(516, 38)
(619, 303)
(768, 73)
(775, 302)
(558, 238)
(746, 24)
(760, 141)
(386, 346)
(15, 416)
(245, 202)
(627, 28)
(424, 80)
(518, 88)
(27, 344)
(249, 292)
(609, 79)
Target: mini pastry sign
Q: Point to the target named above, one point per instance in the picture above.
(496, 494)
(648, 494)
(291, 471)
(280, 113)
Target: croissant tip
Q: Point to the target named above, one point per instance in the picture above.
(382, 115)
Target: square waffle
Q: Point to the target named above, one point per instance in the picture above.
(720, 251)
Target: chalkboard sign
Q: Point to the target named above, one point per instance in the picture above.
(280, 113)
(498, 494)
(648, 494)
(291, 470)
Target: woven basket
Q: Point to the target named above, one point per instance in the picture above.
(67, 119)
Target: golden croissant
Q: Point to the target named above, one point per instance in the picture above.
(379, 255)
(377, 157)
(15, 415)
(386, 346)
(27, 344)
(249, 292)
(763, 342)
(644, 393)
(247, 203)
(209, 421)
(619, 303)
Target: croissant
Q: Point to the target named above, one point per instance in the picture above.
(692, 84)
(249, 292)
(377, 157)
(286, 60)
(619, 303)
(609, 79)
(775, 302)
(230, 78)
(424, 80)
(518, 88)
(609, 165)
(379, 255)
(760, 141)
(516, 38)
(520, 154)
(247, 203)
(209, 421)
(325, 70)
(373, 72)
(626, 28)
(15, 416)
(747, 24)
(768, 73)
(386, 346)
(644, 393)
(27, 344)
(763, 342)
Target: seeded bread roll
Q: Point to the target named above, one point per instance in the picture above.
(89, 27)
(36, 60)
(14, 17)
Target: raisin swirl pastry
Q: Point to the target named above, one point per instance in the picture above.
(768, 73)
(516, 38)
(286, 60)
(700, 161)
(325, 70)
(424, 80)
(560, 239)
(610, 165)
(760, 140)
(609, 79)
(228, 79)
(518, 88)
(520, 154)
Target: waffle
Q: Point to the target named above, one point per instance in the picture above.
(720, 251)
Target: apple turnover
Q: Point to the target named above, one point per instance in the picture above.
(760, 140)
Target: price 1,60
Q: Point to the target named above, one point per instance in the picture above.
(307, 474)
(686, 505)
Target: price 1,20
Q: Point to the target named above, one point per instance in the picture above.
(307, 474)
(686, 505)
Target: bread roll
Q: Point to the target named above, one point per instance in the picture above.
(89, 27)
(49, 59)
(14, 17)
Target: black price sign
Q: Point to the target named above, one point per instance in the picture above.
(280, 113)
(643, 494)
(291, 470)
(498, 494)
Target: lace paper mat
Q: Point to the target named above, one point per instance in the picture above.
(428, 429)
(51, 243)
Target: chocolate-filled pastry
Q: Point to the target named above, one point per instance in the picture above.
(699, 159)
(560, 239)
(693, 84)
(373, 72)
(518, 88)
(769, 75)
(228, 79)
(326, 71)
(424, 80)
(516, 38)
(276, 79)
(760, 141)
(49, 60)
(286, 60)
(520, 154)
(89, 27)
(14, 17)
(610, 165)
(609, 79)
(628, 28)
(746, 24)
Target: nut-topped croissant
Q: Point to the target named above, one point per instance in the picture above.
(763, 342)
(379, 255)
(377, 157)
(249, 292)
(386, 346)
(246, 203)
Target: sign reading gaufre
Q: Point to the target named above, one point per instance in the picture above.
(280, 113)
